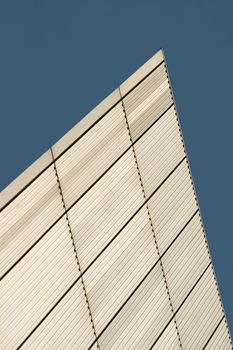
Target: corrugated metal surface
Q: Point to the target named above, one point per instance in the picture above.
(120, 268)
(67, 327)
(199, 314)
(28, 217)
(141, 319)
(172, 206)
(102, 212)
(185, 261)
(168, 340)
(31, 289)
(220, 339)
(147, 101)
(90, 157)
(158, 151)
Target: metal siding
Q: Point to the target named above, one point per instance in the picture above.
(120, 268)
(147, 102)
(80, 166)
(199, 314)
(220, 339)
(158, 151)
(25, 219)
(102, 212)
(67, 327)
(142, 317)
(36, 283)
(185, 261)
(140, 95)
(172, 206)
(169, 339)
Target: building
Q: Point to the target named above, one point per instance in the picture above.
(102, 242)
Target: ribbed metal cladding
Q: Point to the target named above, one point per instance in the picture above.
(27, 217)
(103, 247)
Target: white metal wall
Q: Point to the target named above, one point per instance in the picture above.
(105, 247)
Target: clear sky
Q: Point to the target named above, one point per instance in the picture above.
(58, 59)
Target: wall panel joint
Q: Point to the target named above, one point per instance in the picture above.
(150, 220)
(75, 252)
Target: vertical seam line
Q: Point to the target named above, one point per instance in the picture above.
(75, 251)
(150, 220)
(196, 199)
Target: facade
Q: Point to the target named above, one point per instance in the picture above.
(102, 244)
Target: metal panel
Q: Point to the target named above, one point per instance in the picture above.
(102, 212)
(31, 289)
(172, 206)
(80, 166)
(140, 94)
(158, 151)
(120, 268)
(200, 313)
(67, 327)
(220, 339)
(25, 219)
(168, 340)
(147, 101)
(141, 319)
(185, 261)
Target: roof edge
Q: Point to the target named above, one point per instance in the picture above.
(87, 121)
(37, 167)
(25, 178)
(142, 72)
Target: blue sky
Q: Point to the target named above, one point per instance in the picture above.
(60, 58)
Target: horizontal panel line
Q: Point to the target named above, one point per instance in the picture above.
(25, 187)
(193, 287)
(31, 247)
(150, 126)
(135, 213)
(82, 195)
(144, 78)
(77, 279)
(131, 218)
(49, 312)
(144, 278)
(100, 118)
(212, 334)
(85, 132)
